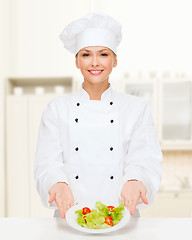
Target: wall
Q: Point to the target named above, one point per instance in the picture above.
(156, 34)
(36, 26)
(147, 43)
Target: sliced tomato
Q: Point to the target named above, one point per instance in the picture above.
(111, 208)
(86, 210)
(109, 221)
(85, 218)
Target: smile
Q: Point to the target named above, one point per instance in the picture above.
(95, 72)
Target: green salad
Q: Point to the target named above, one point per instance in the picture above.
(101, 217)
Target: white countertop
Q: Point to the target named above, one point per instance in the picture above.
(58, 229)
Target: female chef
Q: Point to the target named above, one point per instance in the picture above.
(96, 144)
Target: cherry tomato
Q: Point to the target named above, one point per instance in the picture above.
(86, 210)
(109, 221)
(111, 208)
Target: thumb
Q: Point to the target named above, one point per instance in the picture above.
(143, 197)
(52, 198)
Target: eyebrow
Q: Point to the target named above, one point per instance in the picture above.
(105, 49)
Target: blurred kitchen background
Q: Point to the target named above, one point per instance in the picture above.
(154, 62)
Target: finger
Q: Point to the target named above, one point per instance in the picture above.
(52, 198)
(65, 212)
(133, 206)
(61, 209)
(123, 200)
(66, 209)
(71, 204)
(68, 206)
(128, 205)
(143, 197)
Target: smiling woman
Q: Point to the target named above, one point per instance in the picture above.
(97, 144)
(96, 64)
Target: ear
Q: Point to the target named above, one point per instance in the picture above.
(115, 61)
(76, 61)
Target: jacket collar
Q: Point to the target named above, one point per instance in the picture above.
(106, 95)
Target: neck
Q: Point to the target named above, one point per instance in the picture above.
(95, 90)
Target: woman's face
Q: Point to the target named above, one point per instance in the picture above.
(96, 63)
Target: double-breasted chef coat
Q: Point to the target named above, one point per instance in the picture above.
(96, 146)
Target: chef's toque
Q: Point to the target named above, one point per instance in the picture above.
(95, 29)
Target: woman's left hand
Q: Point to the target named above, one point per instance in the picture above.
(131, 192)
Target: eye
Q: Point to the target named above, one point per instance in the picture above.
(85, 54)
(104, 54)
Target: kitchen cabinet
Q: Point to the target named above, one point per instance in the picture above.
(145, 89)
(171, 107)
(176, 114)
(36, 105)
(172, 204)
(176, 118)
(23, 114)
(17, 157)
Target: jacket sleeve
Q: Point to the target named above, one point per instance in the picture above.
(49, 166)
(144, 157)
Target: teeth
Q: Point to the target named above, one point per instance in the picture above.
(95, 71)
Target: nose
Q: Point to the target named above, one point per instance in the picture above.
(95, 62)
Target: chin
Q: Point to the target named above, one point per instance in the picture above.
(96, 82)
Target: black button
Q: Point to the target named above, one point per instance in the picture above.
(76, 148)
(111, 103)
(111, 149)
(77, 177)
(76, 119)
(111, 177)
(111, 121)
(78, 104)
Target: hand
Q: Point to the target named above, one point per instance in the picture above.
(131, 192)
(61, 193)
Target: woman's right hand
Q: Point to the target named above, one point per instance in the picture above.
(61, 193)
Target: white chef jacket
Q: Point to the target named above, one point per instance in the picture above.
(95, 146)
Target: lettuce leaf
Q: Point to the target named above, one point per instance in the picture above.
(117, 215)
(102, 208)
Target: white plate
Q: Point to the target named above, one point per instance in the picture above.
(71, 219)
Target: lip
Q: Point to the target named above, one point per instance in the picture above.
(95, 72)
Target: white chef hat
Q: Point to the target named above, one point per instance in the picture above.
(95, 29)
